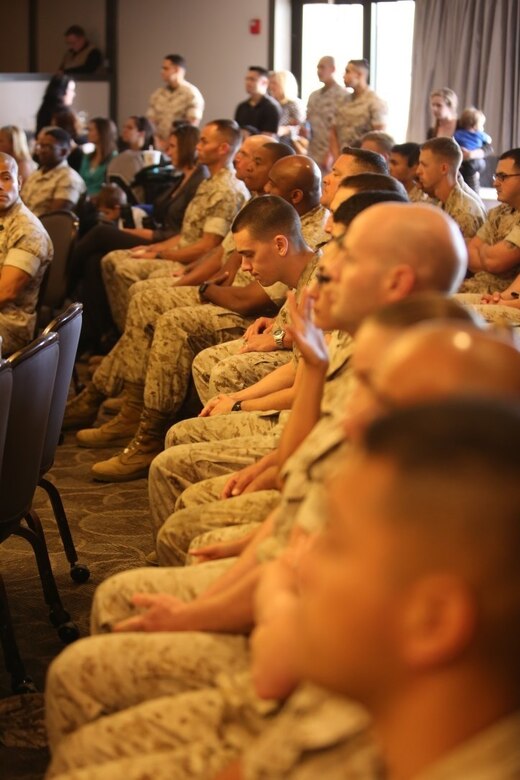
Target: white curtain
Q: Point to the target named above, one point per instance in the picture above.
(473, 47)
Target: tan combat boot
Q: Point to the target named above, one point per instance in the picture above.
(135, 460)
(83, 408)
(120, 429)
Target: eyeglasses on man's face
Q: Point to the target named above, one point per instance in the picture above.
(503, 176)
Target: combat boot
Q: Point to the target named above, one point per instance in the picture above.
(135, 460)
(113, 405)
(120, 429)
(83, 408)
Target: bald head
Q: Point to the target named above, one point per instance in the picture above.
(9, 162)
(439, 360)
(296, 179)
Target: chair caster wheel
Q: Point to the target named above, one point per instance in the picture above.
(68, 633)
(24, 686)
(79, 573)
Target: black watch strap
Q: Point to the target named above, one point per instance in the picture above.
(202, 289)
(237, 406)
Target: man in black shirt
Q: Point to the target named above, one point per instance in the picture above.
(259, 110)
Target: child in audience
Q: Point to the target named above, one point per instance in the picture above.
(470, 136)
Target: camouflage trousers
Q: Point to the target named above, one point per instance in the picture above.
(191, 735)
(161, 338)
(105, 674)
(495, 314)
(13, 336)
(205, 447)
(221, 369)
(120, 271)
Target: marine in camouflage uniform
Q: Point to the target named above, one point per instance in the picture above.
(222, 369)
(465, 210)
(502, 224)
(211, 210)
(25, 245)
(180, 467)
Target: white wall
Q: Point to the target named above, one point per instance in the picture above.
(213, 37)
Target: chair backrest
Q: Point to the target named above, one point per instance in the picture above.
(6, 384)
(34, 371)
(68, 327)
(62, 227)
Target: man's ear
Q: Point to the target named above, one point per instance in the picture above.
(296, 197)
(282, 244)
(439, 621)
(399, 282)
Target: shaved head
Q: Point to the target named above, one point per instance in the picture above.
(297, 179)
(9, 162)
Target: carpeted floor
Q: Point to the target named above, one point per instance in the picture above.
(111, 531)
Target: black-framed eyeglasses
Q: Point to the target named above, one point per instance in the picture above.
(503, 176)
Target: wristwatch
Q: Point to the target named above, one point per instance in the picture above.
(237, 406)
(278, 336)
(202, 289)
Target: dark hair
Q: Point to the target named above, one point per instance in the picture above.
(278, 150)
(373, 181)
(350, 208)
(260, 70)
(512, 154)
(409, 150)
(362, 64)
(187, 139)
(446, 148)
(370, 161)
(110, 196)
(229, 130)
(75, 29)
(268, 215)
(143, 125)
(421, 307)
(60, 135)
(107, 132)
(176, 59)
(68, 120)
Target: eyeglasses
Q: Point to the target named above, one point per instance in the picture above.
(504, 176)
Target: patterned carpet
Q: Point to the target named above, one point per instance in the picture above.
(111, 531)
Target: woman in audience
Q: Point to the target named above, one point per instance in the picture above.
(136, 135)
(60, 93)
(444, 105)
(13, 141)
(103, 134)
(283, 87)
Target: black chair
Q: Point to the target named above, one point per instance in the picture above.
(68, 327)
(62, 227)
(33, 375)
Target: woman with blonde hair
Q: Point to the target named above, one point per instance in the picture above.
(13, 141)
(444, 105)
(283, 87)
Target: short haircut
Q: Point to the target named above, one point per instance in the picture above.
(61, 136)
(278, 150)
(384, 140)
(512, 154)
(75, 29)
(369, 161)
(229, 130)
(373, 181)
(267, 216)
(110, 196)
(176, 59)
(260, 70)
(362, 64)
(409, 150)
(421, 307)
(470, 118)
(350, 208)
(187, 139)
(445, 148)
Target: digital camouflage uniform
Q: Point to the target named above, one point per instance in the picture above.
(167, 105)
(357, 115)
(181, 467)
(314, 734)
(502, 224)
(465, 210)
(495, 314)
(212, 209)
(321, 110)
(24, 244)
(59, 183)
(222, 369)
